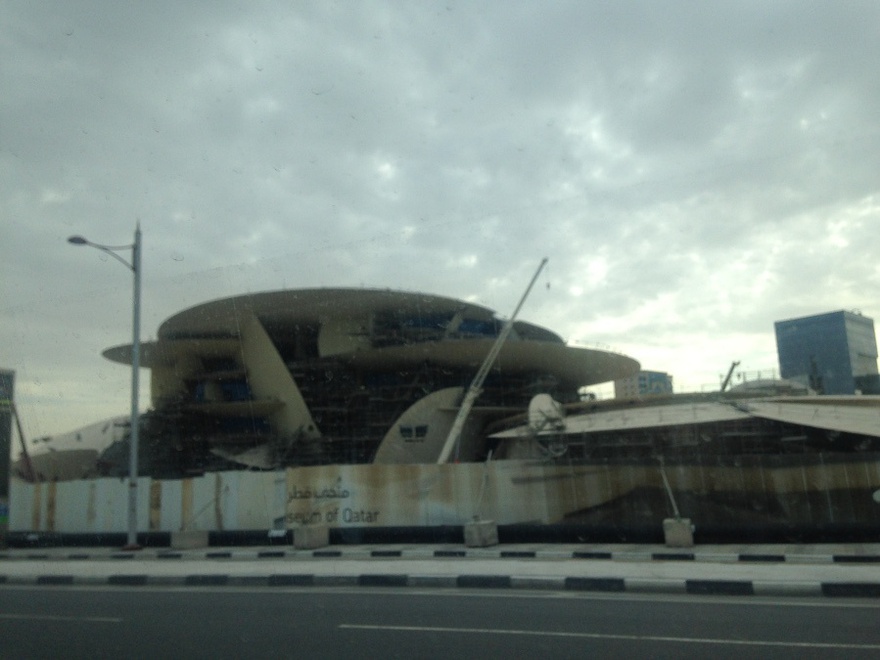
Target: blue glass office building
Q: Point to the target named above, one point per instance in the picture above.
(833, 353)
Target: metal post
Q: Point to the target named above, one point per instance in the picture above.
(134, 431)
(7, 381)
(134, 436)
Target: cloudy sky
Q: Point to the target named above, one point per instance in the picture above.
(693, 170)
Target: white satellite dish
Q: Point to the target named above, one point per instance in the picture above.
(545, 414)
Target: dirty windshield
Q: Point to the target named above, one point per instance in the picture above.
(460, 274)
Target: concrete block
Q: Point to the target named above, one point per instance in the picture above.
(309, 537)
(678, 533)
(480, 534)
(189, 540)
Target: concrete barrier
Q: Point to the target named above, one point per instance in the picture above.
(678, 533)
(309, 537)
(480, 533)
(189, 540)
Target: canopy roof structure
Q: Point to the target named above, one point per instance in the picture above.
(705, 427)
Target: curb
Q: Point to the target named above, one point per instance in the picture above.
(327, 553)
(468, 581)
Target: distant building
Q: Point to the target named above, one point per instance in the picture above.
(833, 353)
(643, 383)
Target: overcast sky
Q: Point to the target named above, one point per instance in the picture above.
(693, 170)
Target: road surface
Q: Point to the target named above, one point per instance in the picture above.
(350, 623)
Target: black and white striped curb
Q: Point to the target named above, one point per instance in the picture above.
(469, 581)
(754, 556)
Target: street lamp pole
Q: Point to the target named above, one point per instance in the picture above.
(134, 435)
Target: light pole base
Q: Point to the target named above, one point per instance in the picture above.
(480, 533)
(678, 533)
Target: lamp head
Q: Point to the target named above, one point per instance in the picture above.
(77, 240)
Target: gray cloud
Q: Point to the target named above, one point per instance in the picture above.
(693, 171)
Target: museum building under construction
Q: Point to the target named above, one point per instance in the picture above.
(335, 376)
(353, 395)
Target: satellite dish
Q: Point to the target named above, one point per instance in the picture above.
(545, 414)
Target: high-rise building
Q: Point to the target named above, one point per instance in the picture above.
(832, 353)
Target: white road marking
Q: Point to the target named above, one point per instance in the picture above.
(52, 617)
(635, 638)
(505, 594)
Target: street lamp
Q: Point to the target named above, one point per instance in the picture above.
(134, 267)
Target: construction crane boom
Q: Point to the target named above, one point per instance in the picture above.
(476, 386)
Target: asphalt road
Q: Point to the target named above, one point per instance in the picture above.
(152, 622)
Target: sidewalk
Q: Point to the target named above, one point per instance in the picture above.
(851, 570)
